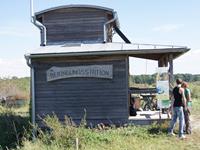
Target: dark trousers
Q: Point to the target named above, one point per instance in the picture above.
(188, 128)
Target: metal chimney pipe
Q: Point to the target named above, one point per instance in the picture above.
(31, 10)
(38, 25)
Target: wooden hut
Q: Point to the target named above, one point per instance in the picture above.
(80, 70)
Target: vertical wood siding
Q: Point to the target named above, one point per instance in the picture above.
(105, 100)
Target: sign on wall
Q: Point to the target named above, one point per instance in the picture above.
(91, 71)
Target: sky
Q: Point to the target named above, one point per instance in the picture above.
(171, 22)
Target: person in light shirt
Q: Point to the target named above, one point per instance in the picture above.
(187, 111)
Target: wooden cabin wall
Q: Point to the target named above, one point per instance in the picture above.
(82, 25)
(105, 100)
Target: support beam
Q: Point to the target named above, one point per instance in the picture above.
(163, 61)
(33, 102)
(171, 76)
(166, 60)
(160, 63)
(122, 35)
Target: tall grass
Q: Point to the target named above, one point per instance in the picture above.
(12, 127)
(196, 106)
(195, 92)
(195, 89)
(62, 137)
(15, 133)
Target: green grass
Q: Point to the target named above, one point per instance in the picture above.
(15, 133)
(196, 106)
(195, 88)
(13, 127)
(132, 137)
(63, 136)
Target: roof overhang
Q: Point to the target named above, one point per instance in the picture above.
(74, 50)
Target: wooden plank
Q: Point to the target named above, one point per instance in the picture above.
(101, 98)
(127, 87)
(171, 75)
(161, 62)
(77, 59)
(166, 60)
(74, 25)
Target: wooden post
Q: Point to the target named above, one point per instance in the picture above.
(161, 62)
(166, 60)
(171, 76)
(77, 144)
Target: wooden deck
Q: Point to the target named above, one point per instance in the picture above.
(148, 117)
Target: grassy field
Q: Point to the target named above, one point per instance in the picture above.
(133, 137)
(15, 133)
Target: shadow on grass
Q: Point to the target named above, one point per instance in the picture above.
(159, 128)
(12, 128)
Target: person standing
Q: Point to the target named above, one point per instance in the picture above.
(178, 104)
(187, 111)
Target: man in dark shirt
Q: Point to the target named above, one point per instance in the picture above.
(178, 104)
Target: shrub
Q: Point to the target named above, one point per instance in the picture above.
(12, 127)
(195, 88)
(64, 135)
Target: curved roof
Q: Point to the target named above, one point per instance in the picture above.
(75, 6)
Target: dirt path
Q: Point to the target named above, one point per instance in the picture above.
(195, 122)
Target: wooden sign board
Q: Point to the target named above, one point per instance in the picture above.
(90, 71)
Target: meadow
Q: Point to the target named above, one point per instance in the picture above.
(16, 133)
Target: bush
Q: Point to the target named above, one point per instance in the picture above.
(64, 135)
(195, 89)
(18, 88)
(12, 127)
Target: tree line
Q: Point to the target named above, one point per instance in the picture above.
(151, 79)
(14, 86)
(21, 86)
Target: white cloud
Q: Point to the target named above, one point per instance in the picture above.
(168, 27)
(14, 67)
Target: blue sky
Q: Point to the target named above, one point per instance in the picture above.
(173, 22)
